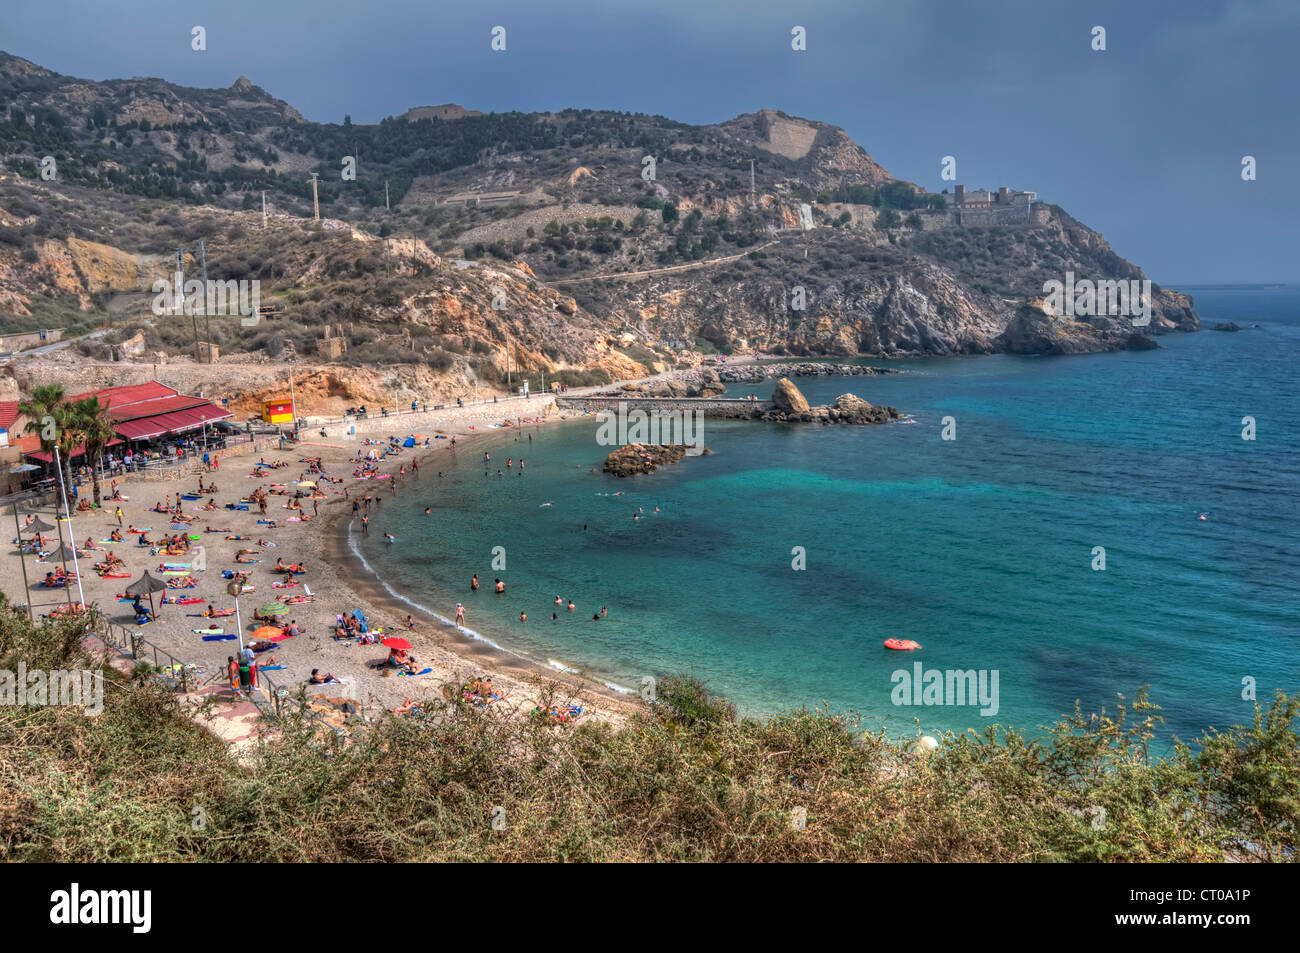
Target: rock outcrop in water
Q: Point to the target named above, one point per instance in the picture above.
(788, 399)
(790, 406)
(1036, 329)
(636, 458)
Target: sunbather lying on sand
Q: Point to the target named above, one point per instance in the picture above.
(318, 679)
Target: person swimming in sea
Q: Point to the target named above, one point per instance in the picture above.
(473, 583)
(500, 587)
(389, 537)
(428, 510)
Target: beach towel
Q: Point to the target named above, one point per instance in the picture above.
(218, 638)
(271, 668)
(278, 638)
(189, 602)
(210, 631)
(115, 575)
(237, 506)
(284, 585)
(414, 674)
(185, 496)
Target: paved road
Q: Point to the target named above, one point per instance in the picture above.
(667, 269)
(58, 345)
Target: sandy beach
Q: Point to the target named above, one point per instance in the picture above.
(336, 579)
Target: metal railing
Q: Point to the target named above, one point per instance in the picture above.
(124, 638)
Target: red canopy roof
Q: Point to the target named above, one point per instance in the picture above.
(145, 411)
(151, 408)
(128, 394)
(8, 414)
(194, 417)
(77, 451)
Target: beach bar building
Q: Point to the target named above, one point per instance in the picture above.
(145, 413)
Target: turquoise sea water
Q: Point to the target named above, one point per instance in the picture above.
(980, 548)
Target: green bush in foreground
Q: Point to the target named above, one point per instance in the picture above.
(684, 781)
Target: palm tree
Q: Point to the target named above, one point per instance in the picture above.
(92, 423)
(46, 414)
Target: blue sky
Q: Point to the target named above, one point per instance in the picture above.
(1142, 142)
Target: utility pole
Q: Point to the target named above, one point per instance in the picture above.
(387, 207)
(180, 298)
(753, 202)
(264, 208)
(293, 404)
(507, 360)
(207, 317)
(315, 197)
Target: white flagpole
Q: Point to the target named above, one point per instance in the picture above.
(58, 465)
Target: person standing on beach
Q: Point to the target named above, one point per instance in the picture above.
(365, 525)
(232, 669)
(118, 514)
(460, 614)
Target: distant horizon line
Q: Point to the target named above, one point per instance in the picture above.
(1178, 285)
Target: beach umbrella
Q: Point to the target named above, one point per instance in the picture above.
(264, 632)
(146, 585)
(274, 608)
(393, 642)
(39, 525)
(59, 555)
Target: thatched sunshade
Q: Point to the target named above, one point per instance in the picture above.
(146, 585)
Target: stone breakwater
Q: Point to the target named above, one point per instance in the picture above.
(753, 373)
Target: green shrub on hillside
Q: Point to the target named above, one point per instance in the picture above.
(685, 780)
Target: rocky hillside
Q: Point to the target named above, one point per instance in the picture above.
(600, 262)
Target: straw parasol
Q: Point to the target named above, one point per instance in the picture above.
(146, 585)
